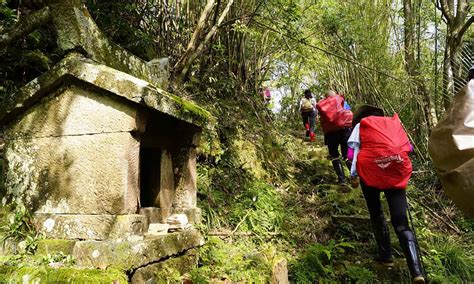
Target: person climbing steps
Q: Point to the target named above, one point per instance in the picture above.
(310, 134)
(336, 120)
(308, 114)
(380, 159)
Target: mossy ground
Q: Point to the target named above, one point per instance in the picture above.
(295, 201)
(284, 207)
(44, 274)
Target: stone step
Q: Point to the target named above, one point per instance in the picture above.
(89, 227)
(134, 254)
(157, 229)
(175, 222)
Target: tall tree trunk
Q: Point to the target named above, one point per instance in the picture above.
(413, 64)
(456, 15)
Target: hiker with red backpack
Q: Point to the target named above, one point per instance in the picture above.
(379, 149)
(308, 114)
(336, 121)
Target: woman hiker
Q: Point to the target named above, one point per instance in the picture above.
(308, 114)
(379, 150)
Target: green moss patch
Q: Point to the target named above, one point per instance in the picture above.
(186, 107)
(54, 246)
(43, 274)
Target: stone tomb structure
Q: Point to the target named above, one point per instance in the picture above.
(98, 155)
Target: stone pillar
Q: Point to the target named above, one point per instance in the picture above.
(132, 197)
(167, 188)
(184, 158)
(186, 190)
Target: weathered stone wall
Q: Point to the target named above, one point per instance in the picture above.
(73, 153)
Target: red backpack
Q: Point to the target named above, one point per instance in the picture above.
(383, 161)
(332, 114)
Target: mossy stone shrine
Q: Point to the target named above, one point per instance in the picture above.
(98, 151)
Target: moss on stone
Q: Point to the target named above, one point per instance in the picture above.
(175, 267)
(248, 156)
(127, 255)
(51, 246)
(12, 274)
(187, 107)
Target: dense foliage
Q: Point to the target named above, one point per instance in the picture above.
(264, 193)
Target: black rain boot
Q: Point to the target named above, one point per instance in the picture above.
(348, 164)
(407, 241)
(341, 178)
(382, 237)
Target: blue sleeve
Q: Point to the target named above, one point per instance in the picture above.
(347, 106)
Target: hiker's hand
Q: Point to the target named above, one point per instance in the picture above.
(355, 182)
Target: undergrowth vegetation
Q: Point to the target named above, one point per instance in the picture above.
(292, 212)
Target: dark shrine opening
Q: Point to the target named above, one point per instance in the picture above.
(156, 169)
(150, 173)
(161, 149)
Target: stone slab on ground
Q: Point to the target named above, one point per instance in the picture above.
(133, 254)
(157, 229)
(162, 272)
(154, 214)
(95, 227)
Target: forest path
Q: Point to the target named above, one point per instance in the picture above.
(334, 221)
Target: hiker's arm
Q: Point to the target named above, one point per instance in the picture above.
(354, 145)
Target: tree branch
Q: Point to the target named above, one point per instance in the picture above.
(443, 7)
(197, 32)
(25, 26)
(460, 9)
(188, 61)
(214, 21)
(466, 25)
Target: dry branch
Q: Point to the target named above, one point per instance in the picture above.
(197, 32)
(188, 59)
(436, 216)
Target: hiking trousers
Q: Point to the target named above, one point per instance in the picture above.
(309, 117)
(397, 203)
(335, 139)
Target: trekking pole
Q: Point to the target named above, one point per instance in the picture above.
(416, 240)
